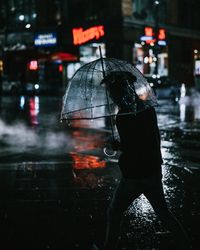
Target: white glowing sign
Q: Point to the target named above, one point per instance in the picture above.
(197, 67)
(45, 39)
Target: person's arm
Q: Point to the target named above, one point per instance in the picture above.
(116, 145)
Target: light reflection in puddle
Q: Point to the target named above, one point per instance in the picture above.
(34, 109)
(189, 106)
(84, 141)
(86, 161)
(141, 206)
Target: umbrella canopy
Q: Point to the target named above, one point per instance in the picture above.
(88, 95)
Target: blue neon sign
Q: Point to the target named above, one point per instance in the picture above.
(45, 39)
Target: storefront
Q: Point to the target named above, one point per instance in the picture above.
(53, 62)
(150, 55)
(87, 53)
(88, 42)
(56, 67)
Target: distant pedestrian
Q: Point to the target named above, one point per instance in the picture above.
(140, 162)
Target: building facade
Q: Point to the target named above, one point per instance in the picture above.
(45, 42)
(175, 21)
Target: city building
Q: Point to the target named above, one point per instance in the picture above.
(44, 42)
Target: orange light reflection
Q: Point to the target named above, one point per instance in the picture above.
(86, 161)
(86, 141)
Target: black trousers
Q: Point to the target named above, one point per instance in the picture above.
(126, 192)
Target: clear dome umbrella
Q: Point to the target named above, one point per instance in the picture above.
(87, 95)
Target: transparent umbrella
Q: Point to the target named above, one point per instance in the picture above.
(88, 93)
(87, 96)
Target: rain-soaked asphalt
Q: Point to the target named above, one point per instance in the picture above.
(56, 183)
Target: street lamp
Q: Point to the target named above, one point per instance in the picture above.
(21, 17)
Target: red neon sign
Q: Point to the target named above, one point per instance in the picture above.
(60, 68)
(81, 36)
(148, 31)
(161, 34)
(33, 65)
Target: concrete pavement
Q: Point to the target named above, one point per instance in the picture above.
(55, 188)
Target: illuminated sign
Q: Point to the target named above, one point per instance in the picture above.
(148, 31)
(45, 39)
(161, 34)
(60, 68)
(33, 65)
(81, 36)
(197, 67)
(149, 36)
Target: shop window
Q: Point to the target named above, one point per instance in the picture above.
(145, 60)
(90, 52)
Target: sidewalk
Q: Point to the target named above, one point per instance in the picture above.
(54, 198)
(51, 206)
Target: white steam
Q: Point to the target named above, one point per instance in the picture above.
(19, 138)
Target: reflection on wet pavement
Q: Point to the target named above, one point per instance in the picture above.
(86, 161)
(52, 170)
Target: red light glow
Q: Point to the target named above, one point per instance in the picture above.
(161, 35)
(34, 110)
(81, 36)
(33, 65)
(62, 56)
(60, 68)
(86, 161)
(148, 31)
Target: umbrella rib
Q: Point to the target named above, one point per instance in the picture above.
(97, 117)
(118, 65)
(91, 111)
(82, 68)
(97, 106)
(107, 97)
(84, 74)
(86, 90)
(90, 66)
(115, 64)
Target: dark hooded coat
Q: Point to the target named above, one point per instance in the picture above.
(139, 143)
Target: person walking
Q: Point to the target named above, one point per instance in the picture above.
(140, 160)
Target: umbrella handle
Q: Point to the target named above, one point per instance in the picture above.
(105, 150)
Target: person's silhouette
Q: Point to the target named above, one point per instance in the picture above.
(140, 161)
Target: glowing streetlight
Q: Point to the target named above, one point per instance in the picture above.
(156, 2)
(21, 17)
(28, 26)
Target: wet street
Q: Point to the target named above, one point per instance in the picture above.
(56, 182)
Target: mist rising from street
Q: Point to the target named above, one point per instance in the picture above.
(20, 137)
